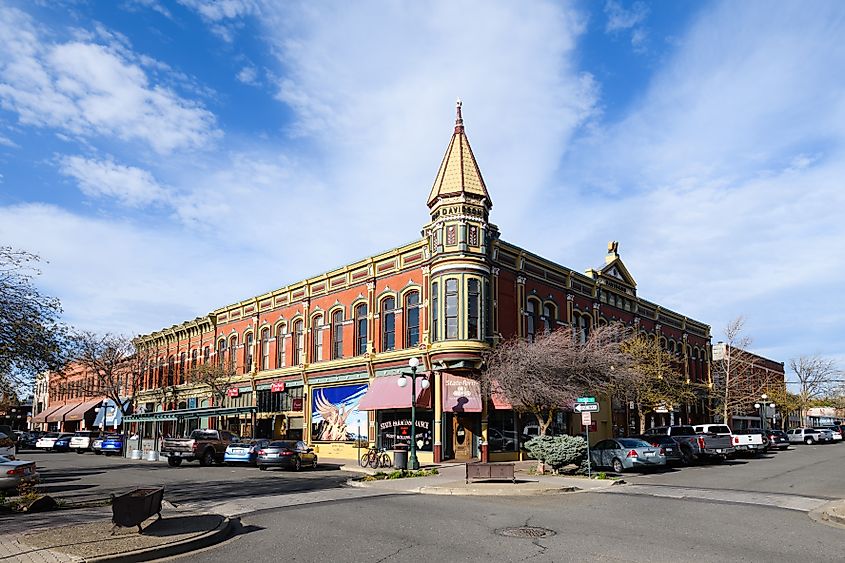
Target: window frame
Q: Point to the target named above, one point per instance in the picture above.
(388, 324)
(412, 311)
(337, 334)
(361, 329)
(452, 298)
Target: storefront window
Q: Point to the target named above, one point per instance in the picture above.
(501, 431)
(394, 427)
(280, 401)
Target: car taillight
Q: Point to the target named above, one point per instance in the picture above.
(287, 452)
(632, 453)
(662, 451)
(655, 444)
(736, 439)
(260, 452)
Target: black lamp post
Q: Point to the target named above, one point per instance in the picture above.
(762, 405)
(413, 462)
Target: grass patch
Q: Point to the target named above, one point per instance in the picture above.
(400, 474)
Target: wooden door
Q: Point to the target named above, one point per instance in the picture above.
(462, 437)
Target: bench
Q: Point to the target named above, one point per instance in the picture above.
(490, 471)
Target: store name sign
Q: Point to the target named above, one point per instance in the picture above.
(388, 424)
(277, 387)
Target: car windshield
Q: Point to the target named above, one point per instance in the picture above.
(632, 443)
(657, 439)
(683, 430)
(114, 437)
(4, 459)
(204, 435)
(719, 429)
(286, 445)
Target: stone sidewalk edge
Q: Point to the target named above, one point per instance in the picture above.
(832, 513)
(211, 537)
(465, 491)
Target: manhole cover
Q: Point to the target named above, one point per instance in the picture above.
(530, 532)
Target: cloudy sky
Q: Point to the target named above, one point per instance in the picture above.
(167, 158)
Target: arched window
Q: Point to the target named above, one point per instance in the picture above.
(337, 334)
(473, 309)
(183, 357)
(171, 370)
(582, 327)
(435, 311)
(532, 319)
(451, 309)
(388, 324)
(317, 338)
(194, 358)
(412, 319)
(249, 350)
(281, 356)
(206, 354)
(549, 317)
(233, 352)
(299, 342)
(360, 329)
(265, 348)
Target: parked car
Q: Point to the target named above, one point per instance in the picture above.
(743, 442)
(28, 440)
(501, 440)
(808, 435)
(671, 449)
(287, 453)
(97, 445)
(835, 432)
(8, 447)
(206, 446)
(14, 472)
(62, 443)
(626, 453)
(778, 440)
(693, 445)
(48, 441)
(112, 444)
(244, 452)
(81, 441)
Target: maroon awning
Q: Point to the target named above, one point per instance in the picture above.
(42, 416)
(78, 413)
(461, 394)
(59, 414)
(385, 393)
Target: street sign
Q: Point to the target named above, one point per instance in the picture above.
(586, 419)
(585, 400)
(587, 407)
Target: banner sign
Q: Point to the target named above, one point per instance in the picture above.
(277, 387)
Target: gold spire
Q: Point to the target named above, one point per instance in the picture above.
(459, 174)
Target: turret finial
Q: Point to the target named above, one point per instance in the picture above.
(459, 119)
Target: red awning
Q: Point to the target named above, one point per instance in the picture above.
(78, 413)
(461, 394)
(59, 414)
(385, 393)
(500, 402)
(42, 416)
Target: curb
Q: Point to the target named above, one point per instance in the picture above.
(828, 514)
(470, 491)
(217, 535)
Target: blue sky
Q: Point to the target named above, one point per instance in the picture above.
(167, 158)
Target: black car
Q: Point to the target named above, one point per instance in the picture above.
(668, 445)
(778, 440)
(287, 453)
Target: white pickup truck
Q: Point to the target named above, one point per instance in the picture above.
(753, 444)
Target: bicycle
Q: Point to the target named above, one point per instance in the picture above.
(375, 458)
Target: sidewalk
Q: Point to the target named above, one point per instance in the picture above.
(451, 481)
(85, 535)
(831, 513)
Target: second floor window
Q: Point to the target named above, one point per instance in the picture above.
(233, 353)
(280, 346)
(171, 369)
(451, 309)
(388, 324)
(317, 332)
(435, 311)
(249, 343)
(473, 309)
(337, 334)
(531, 321)
(265, 349)
(360, 330)
(206, 353)
(299, 346)
(412, 319)
(550, 316)
(182, 358)
(193, 358)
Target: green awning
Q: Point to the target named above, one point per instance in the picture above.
(183, 414)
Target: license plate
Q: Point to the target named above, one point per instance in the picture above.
(238, 451)
(718, 451)
(272, 455)
(648, 454)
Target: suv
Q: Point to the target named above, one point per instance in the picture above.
(834, 431)
(808, 436)
(82, 440)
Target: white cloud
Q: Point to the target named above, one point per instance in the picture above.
(7, 142)
(105, 178)
(224, 17)
(154, 5)
(88, 89)
(619, 18)
(248, 75)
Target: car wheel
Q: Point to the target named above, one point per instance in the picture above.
(809, 441)
(97, 452)
(80, 451)
(207, 458)
(686, 456)
(174, 461)
(297, 464)
(262, 468)
(617, 466)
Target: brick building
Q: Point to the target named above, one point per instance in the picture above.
(755, 375)
(319, 359)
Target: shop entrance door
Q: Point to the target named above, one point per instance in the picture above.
(462, 437)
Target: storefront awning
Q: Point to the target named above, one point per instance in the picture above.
(59, 414)
(461, 394)
(500, 402)
(78, 413)
(41, 417)
(385, 393)
(182, 414)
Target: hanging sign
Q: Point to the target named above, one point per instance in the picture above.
(277, 387)
(232, 392)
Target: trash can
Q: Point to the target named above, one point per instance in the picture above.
(400, 456)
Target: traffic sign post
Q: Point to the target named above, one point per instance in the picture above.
(585, 400)
(586, 407)
(586, 420)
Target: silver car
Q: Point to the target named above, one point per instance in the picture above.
(13, 473)
(626, 453)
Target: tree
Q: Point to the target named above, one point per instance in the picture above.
(217, 376)
(816, 377)
(32, 338)
(654, 380)
(785, 402)
(735, 385)
(107, 365)
(547, 375)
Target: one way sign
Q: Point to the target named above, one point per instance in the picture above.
(587, 407)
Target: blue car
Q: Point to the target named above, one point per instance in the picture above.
(62, 444)
(244, 452)
(112, 444)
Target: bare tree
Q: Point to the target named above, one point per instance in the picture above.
(816, 378)
(217, 376)
(735, 385)
(654, 380)
(547, 375)
(32, 338)
(107, 365)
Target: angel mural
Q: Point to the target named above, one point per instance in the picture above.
(334, 415)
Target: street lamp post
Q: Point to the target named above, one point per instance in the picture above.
(762, 405)
(413, 462)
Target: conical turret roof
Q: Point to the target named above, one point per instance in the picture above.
(459, 173)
